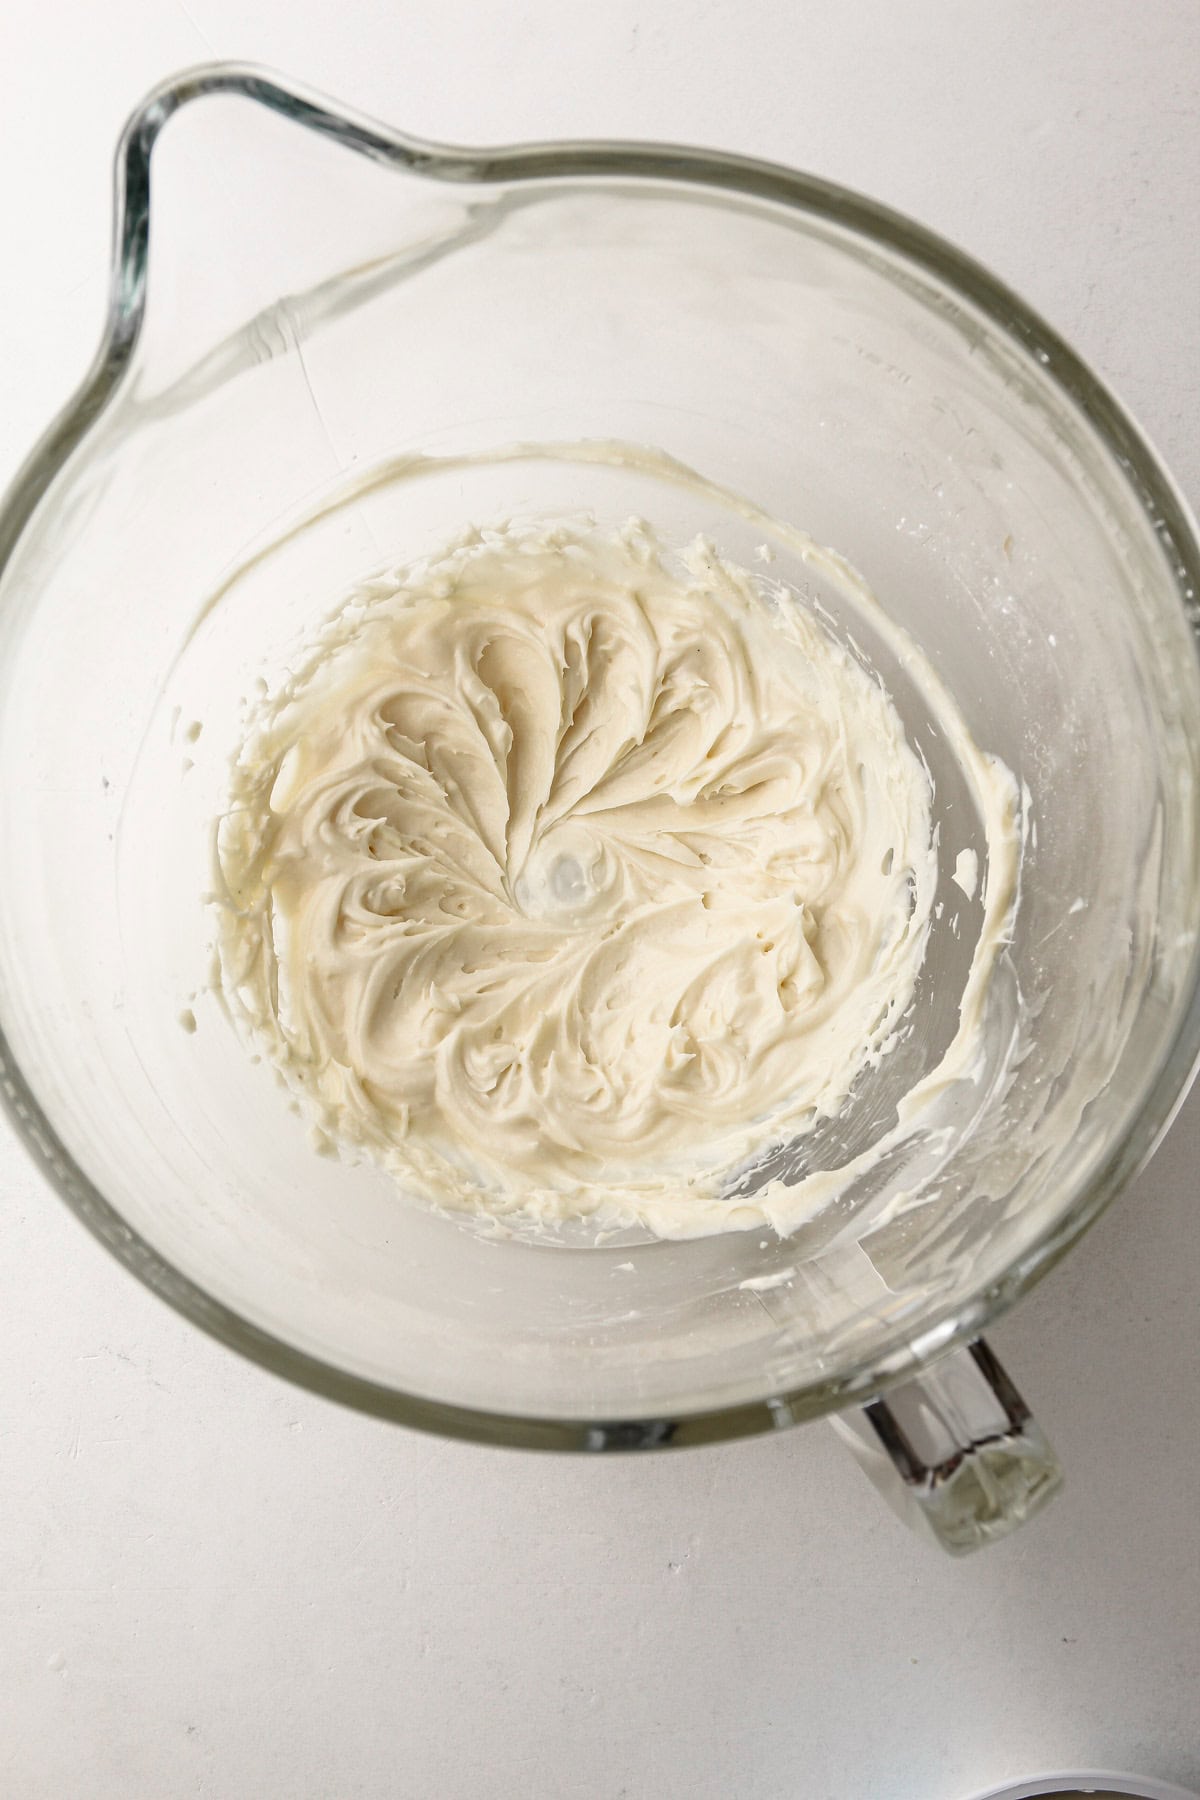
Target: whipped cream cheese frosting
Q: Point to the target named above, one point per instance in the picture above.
(566, 873)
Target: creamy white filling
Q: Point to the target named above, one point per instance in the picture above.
(566, 874)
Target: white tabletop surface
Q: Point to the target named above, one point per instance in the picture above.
(211, 1584)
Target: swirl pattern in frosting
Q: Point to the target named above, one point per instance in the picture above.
(567, 873)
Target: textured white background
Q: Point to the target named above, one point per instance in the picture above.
(213, 1585)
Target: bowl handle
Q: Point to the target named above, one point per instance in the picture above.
(955, 1451)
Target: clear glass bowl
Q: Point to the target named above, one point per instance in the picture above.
(299, 316)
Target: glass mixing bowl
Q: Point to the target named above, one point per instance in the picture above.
(298, 321)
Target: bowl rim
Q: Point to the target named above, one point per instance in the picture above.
(903, 1353)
